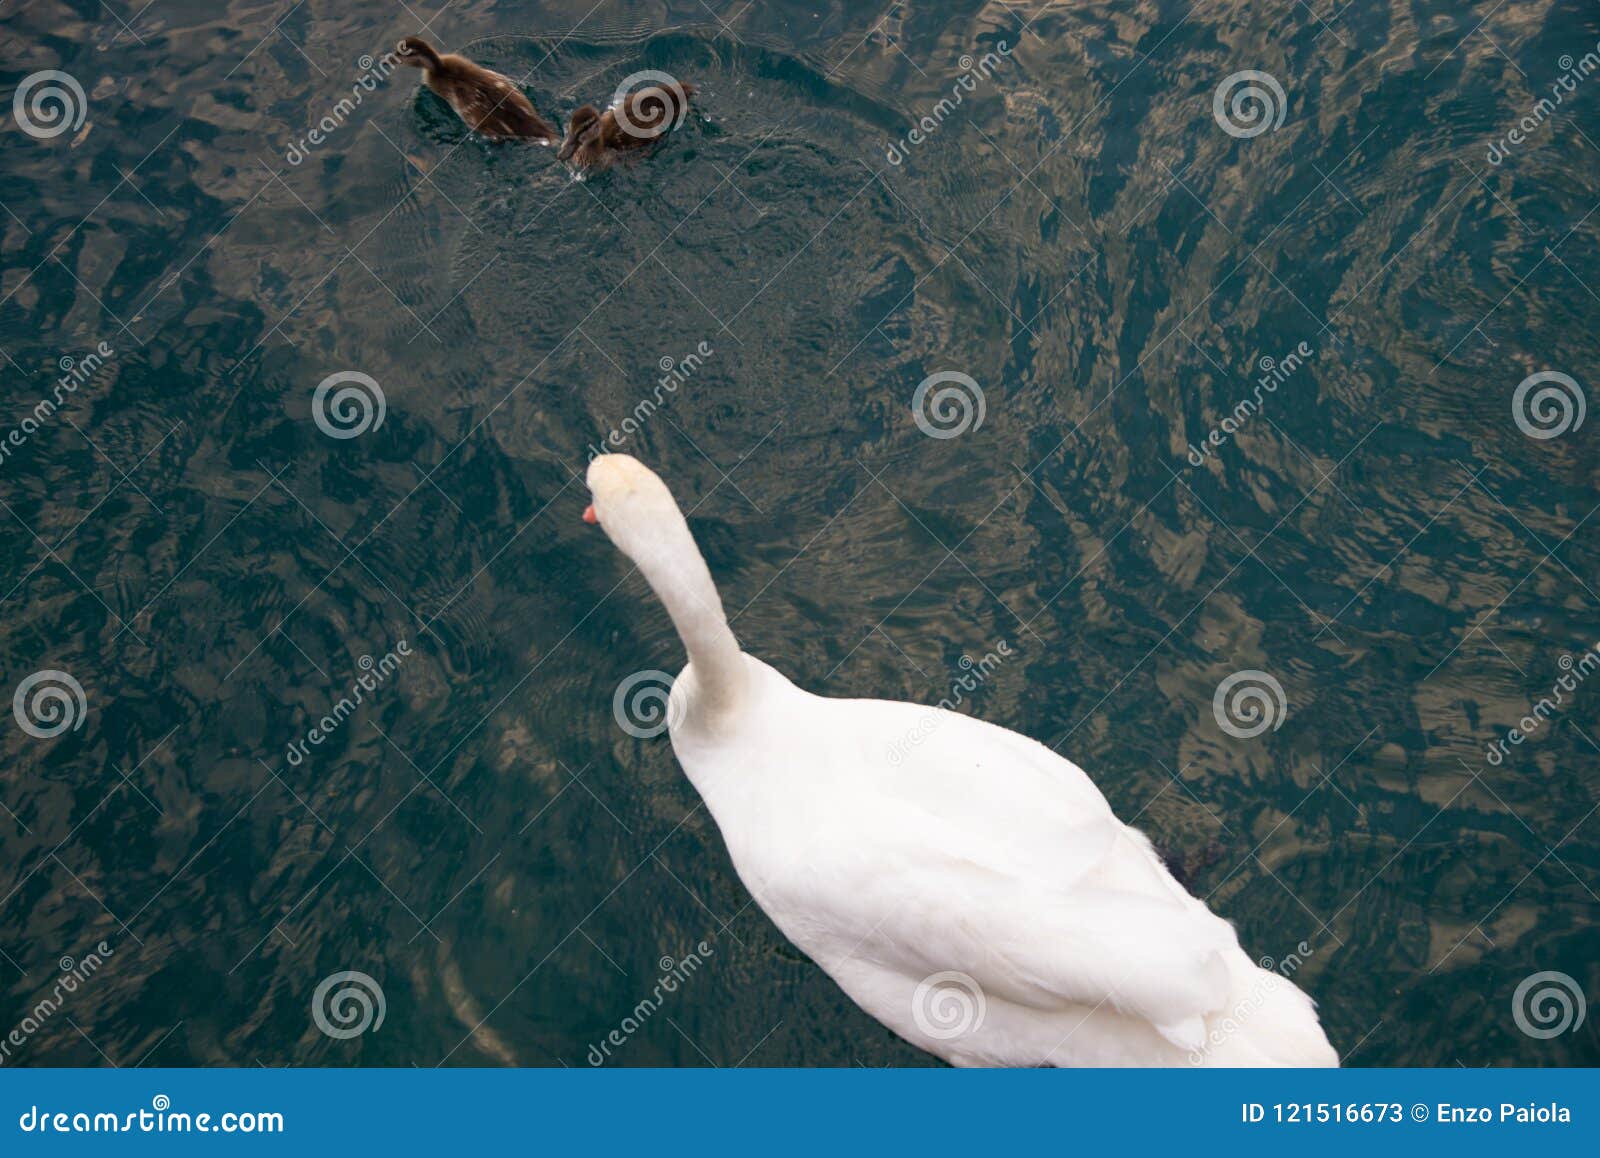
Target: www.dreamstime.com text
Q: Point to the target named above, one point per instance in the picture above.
(160, 1118)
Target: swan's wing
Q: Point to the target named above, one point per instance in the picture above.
(912, 905)
(1030, 813)
(989, 855)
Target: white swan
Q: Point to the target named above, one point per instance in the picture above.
(972, 891)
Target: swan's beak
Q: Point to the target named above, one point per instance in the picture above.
(588, 514)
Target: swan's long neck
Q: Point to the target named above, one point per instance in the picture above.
(675, 569)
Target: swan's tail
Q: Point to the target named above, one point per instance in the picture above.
(1270, 1022)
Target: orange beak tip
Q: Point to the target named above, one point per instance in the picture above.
(589, 516)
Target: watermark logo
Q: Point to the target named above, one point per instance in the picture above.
(675, 372)
(948, 1005)
(348, 1004)
(1548, 404)
(643, 705)
(75, 372)
(373, 73)
(1249, 103)
(674, 975)
(48, 703)
(1574, 672)
(348, 404)
(1548, 1004)
(49, 103)
(1248, 703)
(975, 673)
(653, 94)
(1573, 74)
(1274, 373)
(972, 72)
(948, 404)
(1274, 975)
(155, 1120)
(74, 975)
(374, 673)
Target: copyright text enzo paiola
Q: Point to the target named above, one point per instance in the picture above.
(1398, 1113)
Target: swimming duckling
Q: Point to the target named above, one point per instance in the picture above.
(641, 118)
(487, 101)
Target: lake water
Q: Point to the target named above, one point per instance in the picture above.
(1101, 243)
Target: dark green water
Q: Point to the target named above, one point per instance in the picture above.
(1080, 236)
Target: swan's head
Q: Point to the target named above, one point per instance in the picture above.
(633, 506)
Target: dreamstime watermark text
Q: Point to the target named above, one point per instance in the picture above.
(929, 123)
(160, 1118)
(674, 975)
(74, 975)
(1574, 670)
(1573, 74)
(1274, 373)
(374, 72)
(975, 673)
(1273, 977)
(75, 372)
(374, 673)
(674, 373)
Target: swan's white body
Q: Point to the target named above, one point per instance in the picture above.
(963, 884)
